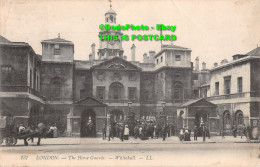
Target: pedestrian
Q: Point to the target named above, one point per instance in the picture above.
(156, 128)
(164, 132)
(117, 130)
(136, 130)
(110, 135)
(104, 129)
(126, 132)
(140, 132)
(222, 134)
(196, 133)
(204, 132)
(186, 134)
(181, 134)
(121, 132)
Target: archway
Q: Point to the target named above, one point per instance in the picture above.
(116, 91)
(201, 117)
(116, 116)
(88, 123)
(239, 119)
(226, 120)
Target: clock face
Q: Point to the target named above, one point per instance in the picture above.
(111, 42)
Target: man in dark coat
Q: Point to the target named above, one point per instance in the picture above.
(195, 133)
(164, 132)
(121, 132)
(110, 133)
(104, 129)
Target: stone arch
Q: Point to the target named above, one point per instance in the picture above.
(226, 120)
(116, 91)
(88, 123)
(239, 118)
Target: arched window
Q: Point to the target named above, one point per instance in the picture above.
(111, 18)
(226, 120)
(177, 91)
(116, 91)
(239, 118)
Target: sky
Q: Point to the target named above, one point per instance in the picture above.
(213, 29)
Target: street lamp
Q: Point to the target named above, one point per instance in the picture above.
(163, 105)
(129, 106)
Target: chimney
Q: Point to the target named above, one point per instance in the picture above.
(145, 58)
(133, 52)
(197, 68)
(224, 61)
(204, 66)
(90, 57)
(151, 56)
(125, 57)
(93, 51)
(215, 64)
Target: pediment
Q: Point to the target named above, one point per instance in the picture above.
(89, 101)
(198, 103)
(116, 64)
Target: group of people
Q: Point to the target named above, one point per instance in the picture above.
(185, 133)
(143, 130)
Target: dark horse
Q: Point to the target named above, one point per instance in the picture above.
(40, 131)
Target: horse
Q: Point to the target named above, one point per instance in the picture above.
(39, 132)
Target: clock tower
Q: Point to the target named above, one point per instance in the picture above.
(110, 48)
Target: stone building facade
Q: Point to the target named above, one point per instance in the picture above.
(55, 88)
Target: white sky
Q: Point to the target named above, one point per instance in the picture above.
(214, 30)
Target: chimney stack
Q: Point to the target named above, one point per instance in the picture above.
(151, 56)
(224, 61)
(197, 68)
(133, 52)
(145, 58)
(93, 51)
(215, 64)
(204, 66)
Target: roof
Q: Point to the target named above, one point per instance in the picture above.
(198, 102)
(110, 11)
(171, 47)
(3, 39)
(58, 40)
(255, 52)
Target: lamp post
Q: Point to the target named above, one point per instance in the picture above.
(163, 105)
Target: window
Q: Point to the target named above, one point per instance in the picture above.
(34, 78)
(116, 91)
(239, 84)
(205, 93)
(100, 92)
(177, 57)
(6, 74)
(131, 93)
(83, 93)
(6, 69)
(216, 88)
(157, 61)
(56, 51)
(57, 89)
(161, 59)
(30, 78)
(111, 18)
(227, 84)
(178, 91)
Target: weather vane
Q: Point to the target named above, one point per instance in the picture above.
(110, 3)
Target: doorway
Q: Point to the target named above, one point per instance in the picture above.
(88, 123)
